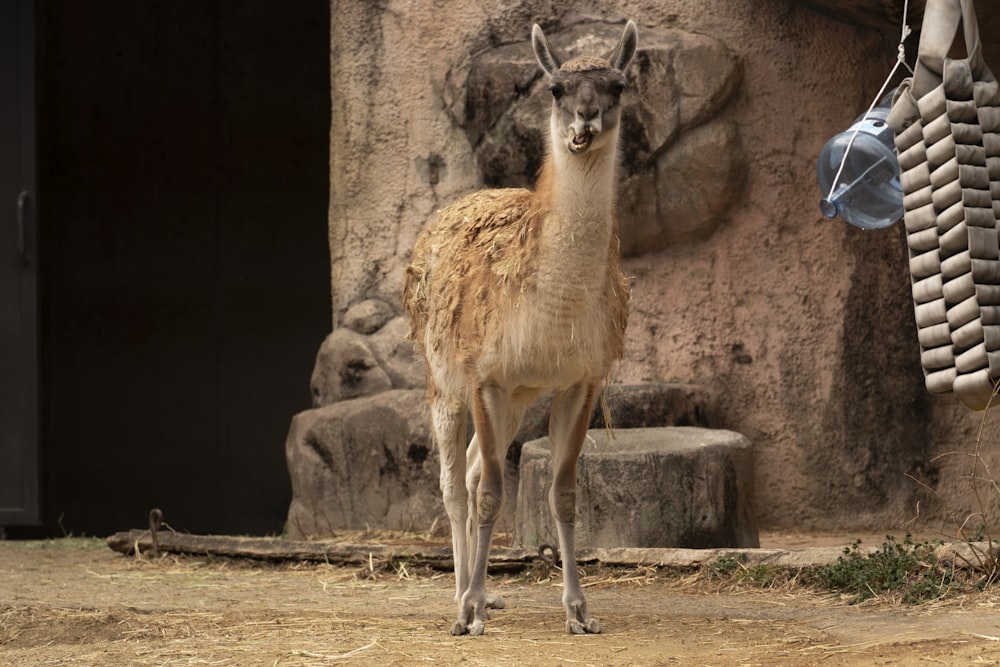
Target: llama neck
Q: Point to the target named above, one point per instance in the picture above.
(578, 194)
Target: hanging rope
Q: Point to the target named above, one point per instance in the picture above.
(900, 60)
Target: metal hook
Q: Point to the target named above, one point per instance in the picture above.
(155, 523)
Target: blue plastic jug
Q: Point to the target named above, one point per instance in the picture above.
(868, 193)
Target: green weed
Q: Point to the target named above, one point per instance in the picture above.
(735, 569)
(909, 570)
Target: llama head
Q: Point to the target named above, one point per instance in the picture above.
(586, 91)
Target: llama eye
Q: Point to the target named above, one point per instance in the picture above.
(616, 89)
(557, 91)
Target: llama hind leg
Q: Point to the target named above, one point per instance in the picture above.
(493, 601)
(571, 410)
(449, 422)
(496, 418)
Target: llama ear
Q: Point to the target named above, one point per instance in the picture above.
(622, 55)
(543, 53)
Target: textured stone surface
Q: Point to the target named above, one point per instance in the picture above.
(362, 463)
(652, 487)
(350, 364)
(635, 406)
(685, 193)
(368, 316)
(885, 15)
(801, 327)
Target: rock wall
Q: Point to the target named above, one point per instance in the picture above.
(801, 327)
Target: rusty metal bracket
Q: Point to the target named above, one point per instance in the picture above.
(549, 553)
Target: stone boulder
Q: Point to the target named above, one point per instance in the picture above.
(650, 487)
(368, 355)
(685, 193)
(366, 462)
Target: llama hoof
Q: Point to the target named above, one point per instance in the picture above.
(472, 617)
(476, 629)
(591, 626)
(495, 602)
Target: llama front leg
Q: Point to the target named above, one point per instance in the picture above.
(449, 421)
(568, 423)
(496, 422)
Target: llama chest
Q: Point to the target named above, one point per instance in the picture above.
(551, 340)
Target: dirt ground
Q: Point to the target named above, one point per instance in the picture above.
(76, 602)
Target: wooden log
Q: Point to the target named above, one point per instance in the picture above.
(438, 557)
(267, 548)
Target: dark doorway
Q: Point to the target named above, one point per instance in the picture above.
(19, 472)
(183, 177)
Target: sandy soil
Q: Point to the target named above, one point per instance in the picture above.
(75, 602)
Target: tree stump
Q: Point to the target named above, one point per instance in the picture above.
(649, 487)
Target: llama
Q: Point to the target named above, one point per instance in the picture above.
(515, 293)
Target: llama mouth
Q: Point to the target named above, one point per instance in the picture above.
(580, 142)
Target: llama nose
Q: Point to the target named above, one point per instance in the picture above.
(589, 118)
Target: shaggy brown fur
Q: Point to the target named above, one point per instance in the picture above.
(477, 265)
